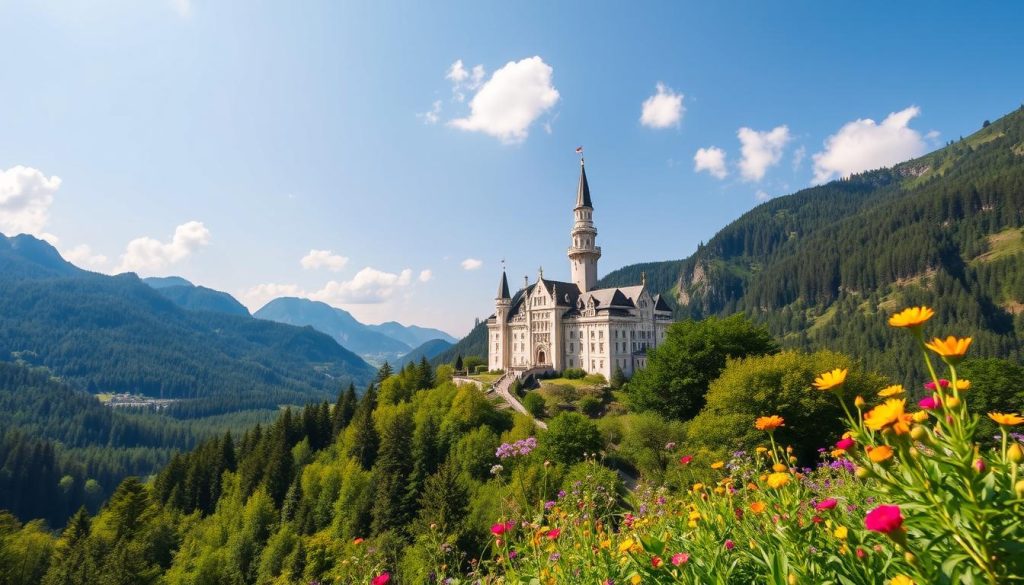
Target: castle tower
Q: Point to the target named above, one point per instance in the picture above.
(498, 347)
(584, 252)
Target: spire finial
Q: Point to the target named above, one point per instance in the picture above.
(540, 272)
(643, 279)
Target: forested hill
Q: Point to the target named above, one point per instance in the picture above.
(116, 334)
(824, 266)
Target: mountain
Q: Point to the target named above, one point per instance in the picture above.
(823, 267)
(411, 335)
(118, 334)
(196, 298)
(427, 350)
(339, 324)
(473, 344)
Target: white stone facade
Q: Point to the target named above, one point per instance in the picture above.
(560, 325)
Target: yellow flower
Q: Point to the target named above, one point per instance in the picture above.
(769, 423)
(762, 449)
(779, 468)
(890, 391)
(886, 414)
(950, 348)
(912, 317)
(758, 507)
(920, 416)
(697, 487)
(1008, 420)
(778, 480)
(718, 465)
(841, 533)
(880, 453)
(830, 380)
(625, 545)
(635, 579)
(606, 543)
(963, 385)
(694, 515)
(901, 580)
(859, 402)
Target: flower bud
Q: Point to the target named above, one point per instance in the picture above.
(863, 473)
(792, 459)
(952, 402)
(919, 433)
(910, 558)
(914, 453)
(979, 465)
(859, 402)
(1015, 454)
(1019, 488)
(920, 416)
(791, 580)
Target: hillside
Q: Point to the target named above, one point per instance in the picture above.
(197, 298)
(824, 266)
(339, 324)
(428, 350)
(473, 344)
(117, 334)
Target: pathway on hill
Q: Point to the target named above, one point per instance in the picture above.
(503, 387)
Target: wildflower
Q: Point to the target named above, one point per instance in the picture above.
(553, 533)
(729, 544)
(685, 459)
(381, 579)
(943, 383)
(885, 519)
(826, 504)
(357, 541)
(911, 318)
(635, 579)
(979, 465)
(778, 480)
(554, 557)
(607, 543)
(496, 469)
(889, 414)
(880, 453)
(779, 468)
(768, 423)
(718, 465)
(697, 487)
(761, 450)
(549, 504)
(1015, 454)
(1008, 420)
(920, 416)
(656, 561)
(859, 402)
(963, 385)
(625, 545)
(845, 443)
(951, 349)
(841, 532)
(758, 507)
(928, 403)
(680, 559)
(830, 380)
(670, 446)
(890, 391)
(501, 528)
(901, 580)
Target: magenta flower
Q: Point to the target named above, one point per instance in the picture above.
(885, 519)
(680, 559)
(944, 383)
(845, 443)
(381, 579)
(928, 403)
(729, 544)
(826, 504)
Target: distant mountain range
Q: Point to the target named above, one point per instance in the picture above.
(376, 343)
(118, 334)
(428, 350)
(196, 298)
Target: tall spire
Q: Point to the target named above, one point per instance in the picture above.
(503, 288)
(583, 191)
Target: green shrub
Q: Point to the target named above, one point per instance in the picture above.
(591, 406)
(570, 437)
(573, 374)
(534, 404)
(595, 380)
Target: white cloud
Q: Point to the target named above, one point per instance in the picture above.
(369, 285)
(712, 160)
(863, 145)
(426, 275)
(323, 259)
(149, 254)
(457, 73)
(25, 198)
(761, 150)
(762, 196)
(463, 80)
(433, 116)
(511, 100)
(663, 109)
(261, 294)
(83, 256)
(471, 264)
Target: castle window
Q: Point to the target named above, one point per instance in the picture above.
(570, 347)
(600, 334)
(602, 348)
(570, 362)
(591, 347)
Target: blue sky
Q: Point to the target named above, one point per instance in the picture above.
(226, 141)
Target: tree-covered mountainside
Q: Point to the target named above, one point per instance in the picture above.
(473, 344)
(822, 268)
(196, 298)
(411, 335)
(427, 350)
(337, 323)
(116, 334)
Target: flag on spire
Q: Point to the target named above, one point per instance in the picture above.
(579, 150)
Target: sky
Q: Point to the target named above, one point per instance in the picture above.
(385, 157)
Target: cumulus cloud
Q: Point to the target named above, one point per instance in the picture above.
(25, 198)
(149, 254)
(464, 80)
(323, 259)
(712, 160)
(663, 109)
(471, 264)
(426, 275)
(368, 286)
(433, 116)
(511, 100)
(863, 145)
(84, 257)
(761, 150)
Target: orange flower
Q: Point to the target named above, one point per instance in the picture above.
(952, 348)
(758, 507)
(962, 385)
(769, 423)
(1008, 420)
(912, 317)
(778, 480)
(718, 465)
(830, 380)
(880, 453)
(890, 391)
(890, 414)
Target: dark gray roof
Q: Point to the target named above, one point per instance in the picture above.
(503, 287)
(583, 191)
(660, 304)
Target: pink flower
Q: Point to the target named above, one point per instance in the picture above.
(928, 403)
(826, 504)
(845, 444)
(685, 460)
(979, 465)
(885, 519)
(381, 579)
(680, 559)
(944, 383)
(729, 544)
(501, 528)
(553, 533)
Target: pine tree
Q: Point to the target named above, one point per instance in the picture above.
(344, 408)
(385, 372)
(297, 566)
(279, 472)
(393, 466)
(424, 375)
(365, 441)
(292, 500)
(444, 501)
(458, 363)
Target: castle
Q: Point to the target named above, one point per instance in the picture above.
(553, 325)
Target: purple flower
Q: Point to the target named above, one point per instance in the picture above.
(549, 504)
(561, 494)
(554, 557)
